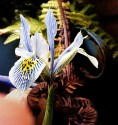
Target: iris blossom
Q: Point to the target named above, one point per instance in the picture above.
(35, 50)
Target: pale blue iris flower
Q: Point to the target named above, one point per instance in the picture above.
(34, 52)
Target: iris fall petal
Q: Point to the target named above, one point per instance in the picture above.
(24, 72)
(93, 60)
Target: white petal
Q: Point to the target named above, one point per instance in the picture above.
(73, 46)
(93, 60)
(24, 72)
(78, 41)
(40, 46)
(64, 61)
(23, 53)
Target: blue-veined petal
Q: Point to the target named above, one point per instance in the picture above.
(51, 25)
(78, 41)
(64, 60)
(25, 34)
(73, 46)
(40, 46)
(24, 72)
(93, 60)
(23, 53)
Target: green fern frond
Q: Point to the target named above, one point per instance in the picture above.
(86, 9)
(83, 17)
(35, 25)
(13, 30)
(10, 29)
(79, 17)
(11, 38)
(53, 4)
(115, 55)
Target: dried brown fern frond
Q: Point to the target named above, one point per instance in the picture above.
(72, 84)
(33, 99)
(76, 111)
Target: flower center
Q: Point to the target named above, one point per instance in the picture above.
(28, 64)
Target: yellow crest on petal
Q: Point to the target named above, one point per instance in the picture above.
(25, 72)
(28, 64)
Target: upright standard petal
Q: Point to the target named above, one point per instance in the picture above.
(51, 25)
(40, 46)
(73, 46)
(93, 60)
(24, 72)
(25, 34)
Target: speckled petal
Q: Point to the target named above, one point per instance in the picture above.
(24, 72)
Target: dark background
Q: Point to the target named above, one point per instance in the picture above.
(105, 90)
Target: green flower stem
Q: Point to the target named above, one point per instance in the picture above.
(49, 107)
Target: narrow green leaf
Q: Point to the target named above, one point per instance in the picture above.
(49, 108)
